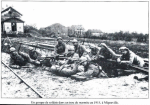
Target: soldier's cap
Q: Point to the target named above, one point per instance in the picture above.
(12, 49)
(59, 38)
(123, 48)
(74, 40)
(71, 48)
(92, 45)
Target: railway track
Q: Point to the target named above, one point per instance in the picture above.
(23, 81)
(54, 86)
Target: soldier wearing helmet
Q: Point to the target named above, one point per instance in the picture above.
(79, 48)
(69, 67)
(18, 59)
(60, 48)
(90, 69)
(129, 57)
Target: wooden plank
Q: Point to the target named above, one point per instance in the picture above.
(46, 45)
(42, 47)
(133, 66)
(140, 68)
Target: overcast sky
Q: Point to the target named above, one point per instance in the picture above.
(106, 16)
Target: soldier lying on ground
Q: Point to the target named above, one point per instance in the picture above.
(69, 67)
(18, 59)
(123, 61)
(102, 56)
(90, 69)
(128, 58)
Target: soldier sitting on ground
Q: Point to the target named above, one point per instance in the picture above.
(60, 49)
(90, 70)
(80, 49)
(19, 59)
(69, 67)
(94, 53)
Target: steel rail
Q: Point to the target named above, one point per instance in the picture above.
(38, 46)
(41, 96)
(142, 69)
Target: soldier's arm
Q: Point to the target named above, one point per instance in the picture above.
(13, 65)
(130, 61)
(126, 62)
(55, 50)
(98, 55)
(66, 50)
(119, 60)
(75, 57)
(114, 55)
(84, 49)
(11, 62)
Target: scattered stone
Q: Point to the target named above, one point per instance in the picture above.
(144, 88)
(8, 83)
(125, 84)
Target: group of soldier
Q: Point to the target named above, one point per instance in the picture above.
(80, 62)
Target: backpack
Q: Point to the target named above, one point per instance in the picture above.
(33, 54)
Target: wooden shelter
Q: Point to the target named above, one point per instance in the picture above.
(11, 22)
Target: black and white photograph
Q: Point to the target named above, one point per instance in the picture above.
(75, 52)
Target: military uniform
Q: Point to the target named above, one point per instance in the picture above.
(91, 70)
(132, 58)
(105, 53)
(20, 59)
(80, 50)
(67, 69)
(60, 48)
(94, 51)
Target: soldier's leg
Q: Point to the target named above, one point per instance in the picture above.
(25, 56)
(80, 68)
(68, 71)
(28, 59)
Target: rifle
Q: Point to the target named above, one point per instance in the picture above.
(55, 57)
(78, 63)
(68, 41)
(102, 71)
